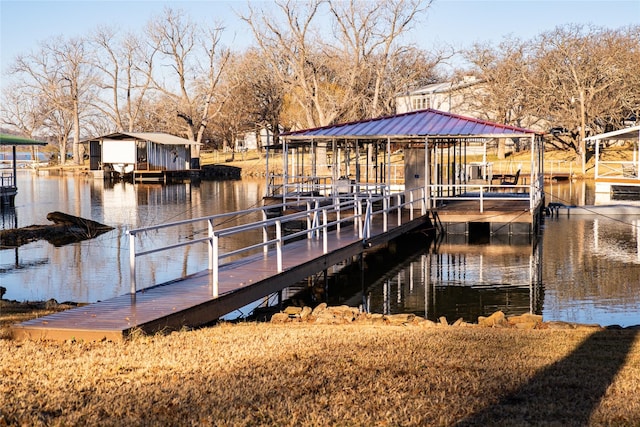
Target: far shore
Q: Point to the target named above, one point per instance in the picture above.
(252, 163)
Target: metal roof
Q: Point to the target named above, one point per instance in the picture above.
(18, 140)
(157, 137)
(422, 123)
(621, 134)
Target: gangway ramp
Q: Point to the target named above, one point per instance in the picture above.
(330, 234)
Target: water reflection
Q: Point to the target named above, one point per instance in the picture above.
(584, 270)
(578, 193)
(451, 278)
(591, 269)
(98, 269)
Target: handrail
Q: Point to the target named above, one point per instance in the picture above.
(303, 186)
(617, 169)
(479, 192)
(317, 226)
(7, 179)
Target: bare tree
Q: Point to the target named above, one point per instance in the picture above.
(59, 72)
(629, 58)
(23, 110)
(261, 92)
(332, 76)
(368, 33)
(505, 96)
(178, 76)
(126, 67)
(290, 44)
(59, 124)
(408, 69)
(577, 79)
(217, 59)
(502, 71)
(72, 61)
(338, 75)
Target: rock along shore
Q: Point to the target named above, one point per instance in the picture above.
(343, 314)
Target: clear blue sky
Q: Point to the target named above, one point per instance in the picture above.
(460, 23)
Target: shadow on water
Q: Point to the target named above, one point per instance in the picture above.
(568, 391)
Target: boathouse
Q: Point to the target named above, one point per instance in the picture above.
(444, 153)
(8, 186)
(617, 165)
(141, 156)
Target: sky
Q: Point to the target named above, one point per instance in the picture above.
(458, 23)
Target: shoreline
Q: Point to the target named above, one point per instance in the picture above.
(12, 312)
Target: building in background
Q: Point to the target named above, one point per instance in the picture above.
(457, 97)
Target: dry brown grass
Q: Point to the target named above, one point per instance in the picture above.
(301, 374)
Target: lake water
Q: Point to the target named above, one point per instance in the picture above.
(580, 269)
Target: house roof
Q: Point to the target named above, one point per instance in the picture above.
(6, 139)
(157, 137)
(422, 123)
(444, 87)
(621, 134)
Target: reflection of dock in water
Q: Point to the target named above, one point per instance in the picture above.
(459, 280)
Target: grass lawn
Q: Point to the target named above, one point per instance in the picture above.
(301, 374)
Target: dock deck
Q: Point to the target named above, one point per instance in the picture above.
(190, 302)
(502, 213)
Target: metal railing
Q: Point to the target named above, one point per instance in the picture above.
(7, 179)
(482, 192)
(304, 186)
(617, 169)
(312, 219)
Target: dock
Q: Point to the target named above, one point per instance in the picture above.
(271, 265)
(493, 214)
(8, 187)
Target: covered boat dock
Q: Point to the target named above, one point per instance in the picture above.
(617, 165)
(142, 156)
(443, 153)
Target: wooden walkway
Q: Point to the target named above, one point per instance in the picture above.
(188, 302)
